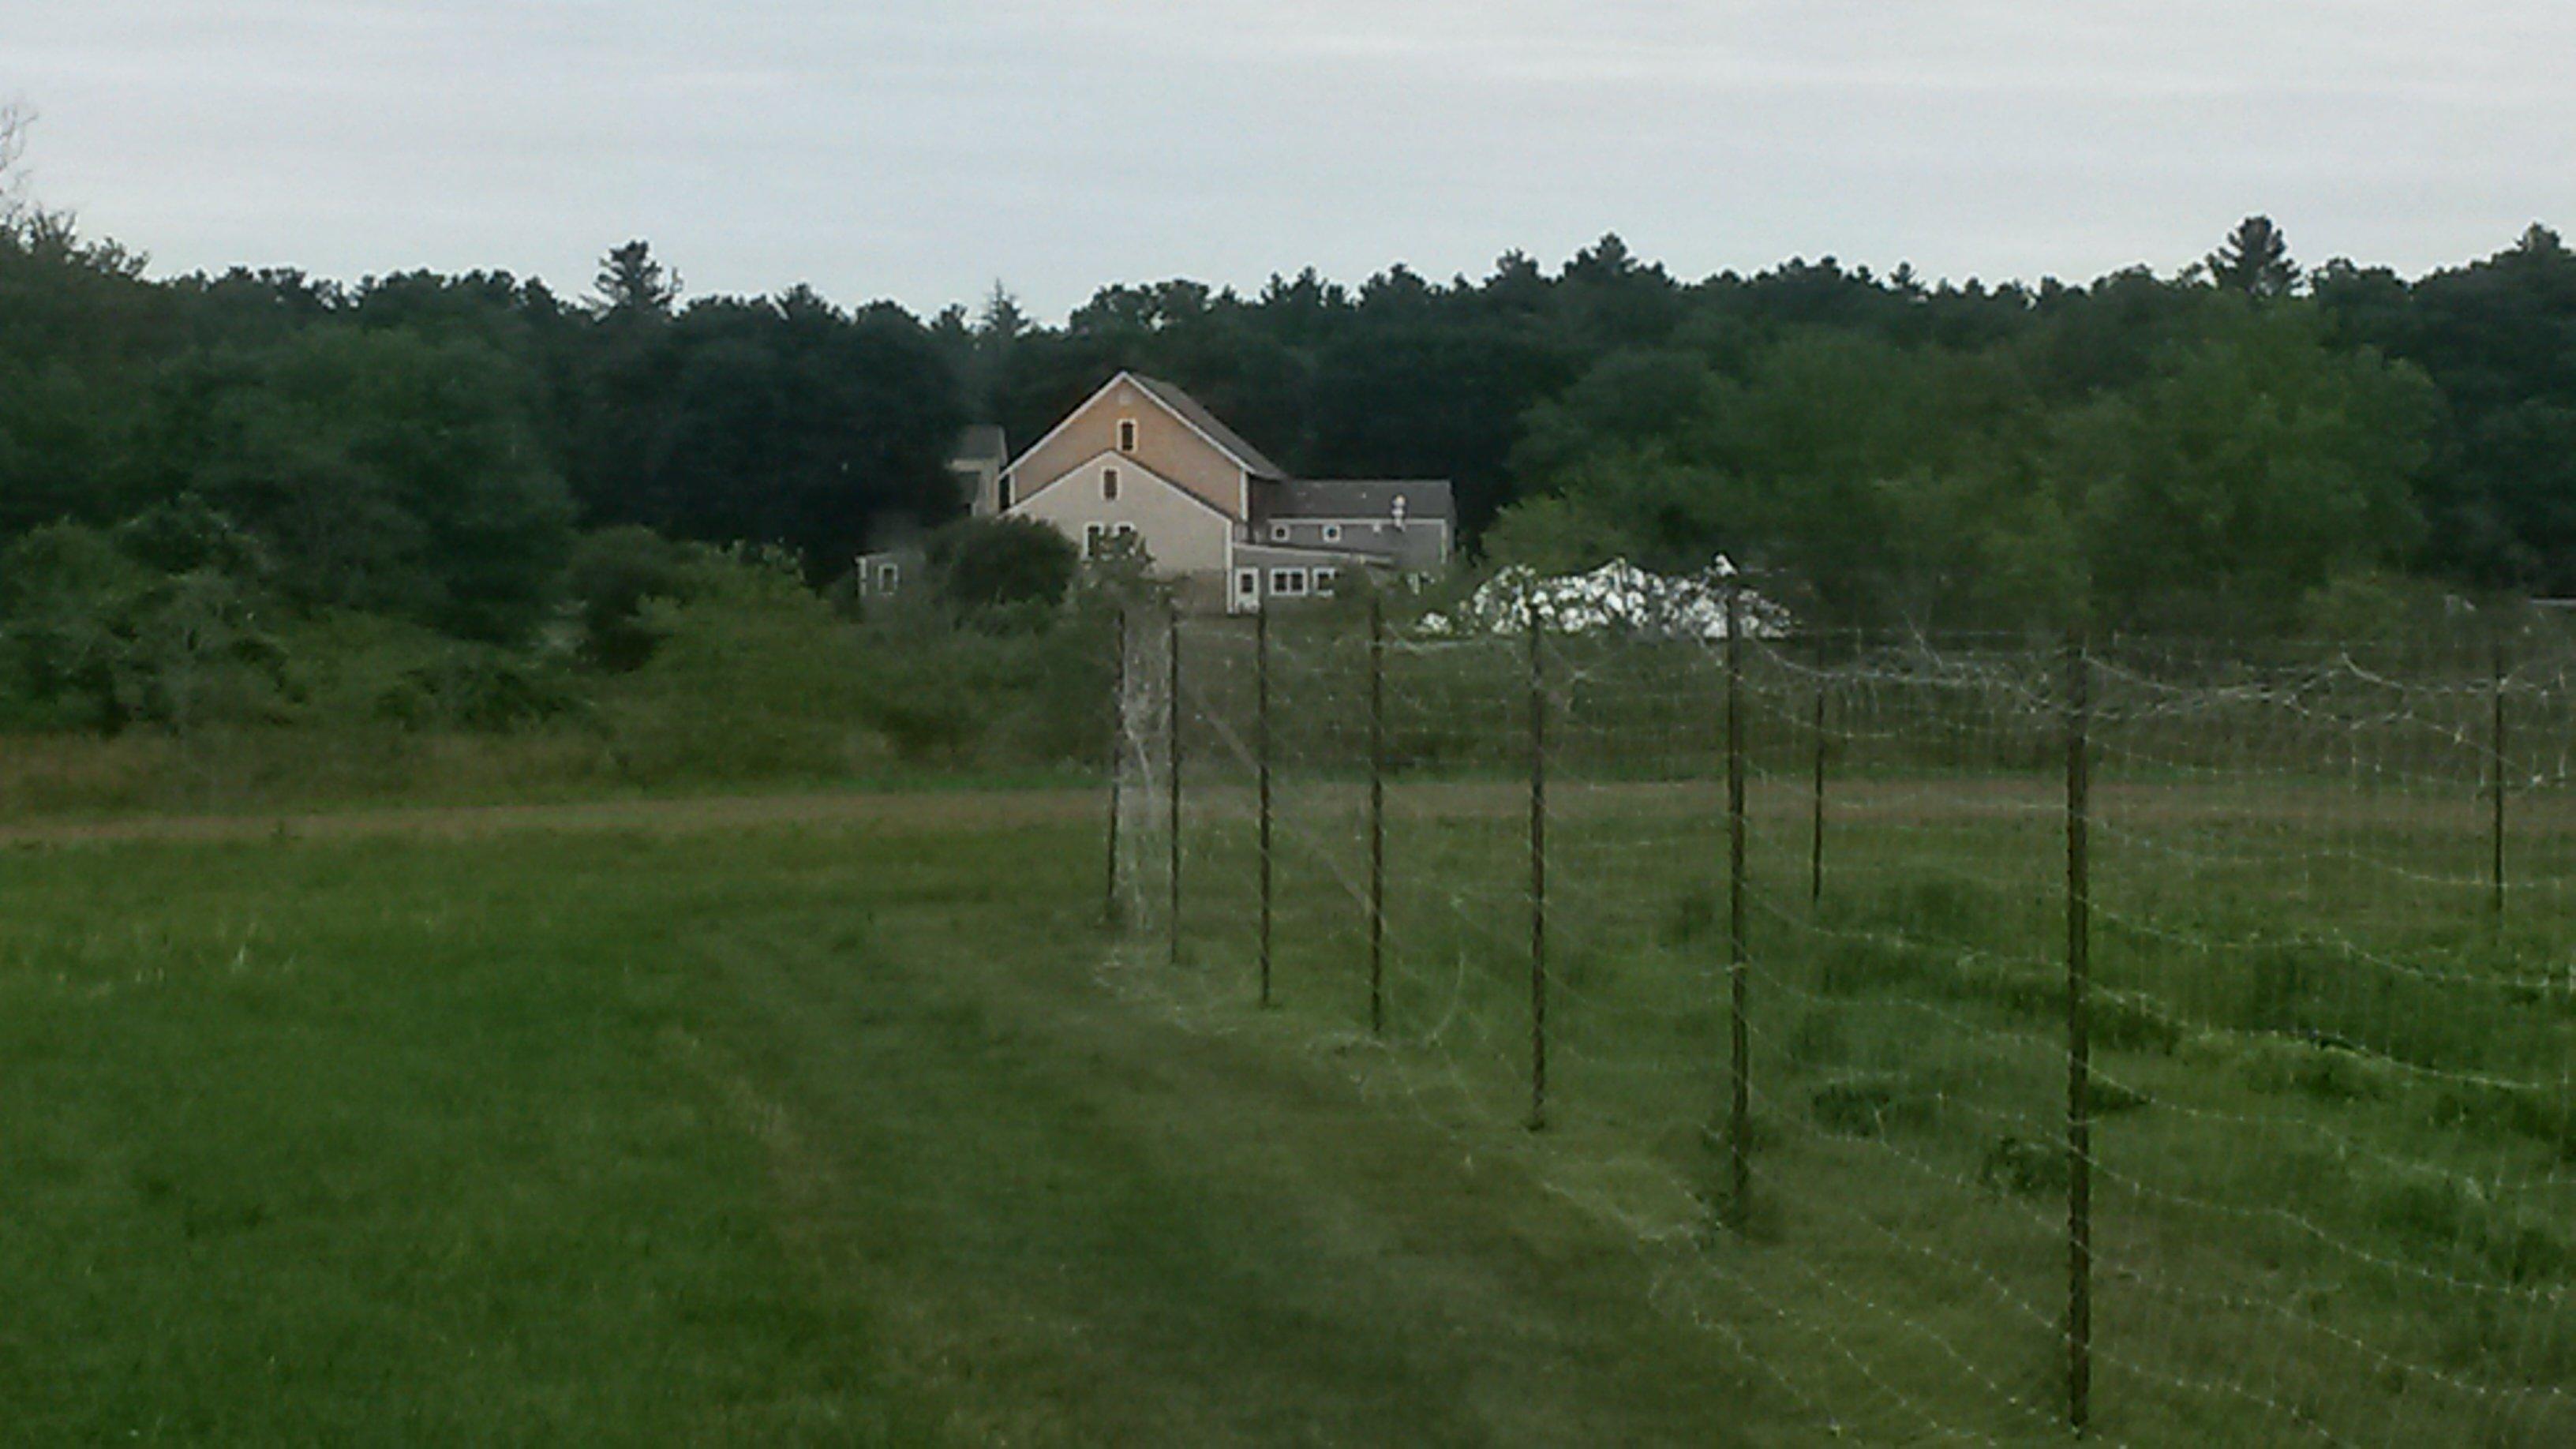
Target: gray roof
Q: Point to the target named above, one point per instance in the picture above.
(1207, 422)
(981, 443)
(1424, 498)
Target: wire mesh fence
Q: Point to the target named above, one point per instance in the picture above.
(2166, 1038)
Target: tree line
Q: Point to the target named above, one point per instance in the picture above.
(2242, 445)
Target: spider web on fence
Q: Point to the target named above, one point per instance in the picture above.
(2331, 1106)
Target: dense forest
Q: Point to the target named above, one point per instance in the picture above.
(209, 472)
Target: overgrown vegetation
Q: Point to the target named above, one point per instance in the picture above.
(214, 490)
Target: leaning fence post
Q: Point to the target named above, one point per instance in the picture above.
(2079, 1045)
(1377, 816)
(1261, 751)
(1109, 911)
(1538, 870)
(1172, 748)
(1740, 1110)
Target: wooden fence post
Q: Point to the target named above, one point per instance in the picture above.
(2079, 1040)
(1109, 911)
(1538, 869)
(1261, 750)
(1377, 816)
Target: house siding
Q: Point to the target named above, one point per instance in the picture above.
(1421, 544)
(1181, 535)
(1170, 447)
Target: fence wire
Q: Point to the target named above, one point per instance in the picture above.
(2171, 1036)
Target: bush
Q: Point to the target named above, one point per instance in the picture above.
(614, 573)
(987, 564)
(350, 668)
(754, 677)
(92, 637)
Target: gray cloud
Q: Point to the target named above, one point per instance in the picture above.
(920, 150)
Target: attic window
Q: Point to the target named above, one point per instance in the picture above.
(1332, 533)
(1109, 485)
(1278, 533)
(1126, 435)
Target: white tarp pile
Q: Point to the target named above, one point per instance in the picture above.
(1617, 597)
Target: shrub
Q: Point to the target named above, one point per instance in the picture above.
(987, 564)
(754, 676)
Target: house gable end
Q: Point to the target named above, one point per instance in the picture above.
(1130, 472)
(1168, 443)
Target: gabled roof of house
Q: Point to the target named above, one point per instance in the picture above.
(1195, 413)
(1428, 499)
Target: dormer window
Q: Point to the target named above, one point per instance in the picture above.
(1108, 485)
(1126, 435)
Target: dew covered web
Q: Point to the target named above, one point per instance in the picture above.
(2331, 949)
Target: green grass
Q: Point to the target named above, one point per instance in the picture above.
(676, 1123)
(685, 1134)
(320, 769)
(2333, 1186)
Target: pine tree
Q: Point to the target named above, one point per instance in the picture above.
(2255, 260)
(631, 282)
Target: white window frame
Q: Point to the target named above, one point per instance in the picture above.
(1092, 535)
(889, 577)
(1288, 583)
(1247, 583)
(1127, 435)
(1122, 530)
(1332, 533)
(1325, 579)
(1108, 485)
(1278, 533)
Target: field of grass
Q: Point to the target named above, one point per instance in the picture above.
(240, 773)
(691, 1124)
(2334, 1124)
(842, 1116)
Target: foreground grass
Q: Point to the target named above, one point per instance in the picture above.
(2331, 1180)
(782, 1134)
(382, 1142)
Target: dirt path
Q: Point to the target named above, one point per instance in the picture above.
(1080, 1223)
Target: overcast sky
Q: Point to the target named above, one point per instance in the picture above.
(922, 149)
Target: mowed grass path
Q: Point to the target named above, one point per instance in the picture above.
(758, 1131)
